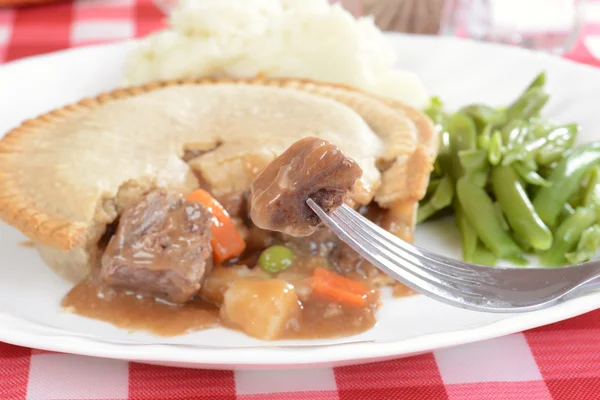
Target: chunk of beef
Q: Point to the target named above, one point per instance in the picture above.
(161, 248)
(310, 168)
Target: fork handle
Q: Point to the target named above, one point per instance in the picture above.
(587, 288)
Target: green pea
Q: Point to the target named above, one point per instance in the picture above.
(276, 258)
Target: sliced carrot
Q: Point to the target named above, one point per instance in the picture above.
(226, 240)
(343, 290)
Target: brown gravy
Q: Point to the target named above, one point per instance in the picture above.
(400, 290)
(319, 318)
(131, 312)
(322, 319)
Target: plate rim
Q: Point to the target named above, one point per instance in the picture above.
(304, 356)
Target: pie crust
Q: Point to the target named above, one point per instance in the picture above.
(66, 174)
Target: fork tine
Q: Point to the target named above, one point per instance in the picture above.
(396, 242)
(447, 272)
(392, 257)
(499, 290)
(412, 276)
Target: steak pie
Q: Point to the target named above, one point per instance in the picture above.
(85, 180)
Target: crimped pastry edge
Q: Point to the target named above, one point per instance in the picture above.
(18, 211)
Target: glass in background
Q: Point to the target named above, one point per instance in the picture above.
(546, 25)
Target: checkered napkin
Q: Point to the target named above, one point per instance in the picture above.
(36, 30)
(558, 362)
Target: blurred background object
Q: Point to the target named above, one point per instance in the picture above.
(547, 25)
(411, 16)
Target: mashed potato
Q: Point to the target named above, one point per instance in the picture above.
(279, 38)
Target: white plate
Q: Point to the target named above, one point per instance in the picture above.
(460, 71)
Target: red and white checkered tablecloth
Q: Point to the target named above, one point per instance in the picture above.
(558, 362)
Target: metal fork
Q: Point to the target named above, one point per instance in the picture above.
(469, 286)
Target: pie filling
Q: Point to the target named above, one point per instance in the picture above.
(161, 268)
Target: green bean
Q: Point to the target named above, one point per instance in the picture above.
(473, 159)
(566, 211)
(483, 256)
(523, 243)
(519, 261)
(530, 176)
(495, 150)
(538, 82)
(577, 199)
(529, 163)
(540, 127)
(591, 194)
(435, 110)
(444, 194)
(467, 233)
(545, 171)
(509, 175)
(424, 212)
(552, 148)
(479, 210)
(518, 209)
(515, 154)
(593, 200)
(483, 115)
(530, 102)
(440, 119)
(443, 162)
(483, 140)
(560, 136)
(276, 258)
(527, 105)
(565, 180)
(515, 133)
(566, 236)
(433, 185)
(588, 246)
(518, 136)
(438, 170)
(478, 178)
(520, 152)
(501, 216)
(463, 136)
(441, 198)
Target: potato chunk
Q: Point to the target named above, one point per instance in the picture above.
(220, 278)
(260, 308)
